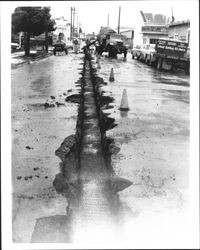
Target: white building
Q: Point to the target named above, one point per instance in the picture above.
(149, 28)
(128, 34)
(180, 30)
(63, 28)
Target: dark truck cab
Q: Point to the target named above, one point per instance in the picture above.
(111, 42)
(60, 46)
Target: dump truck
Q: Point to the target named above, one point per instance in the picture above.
(170, 55)
(60, 46)
(111, 42)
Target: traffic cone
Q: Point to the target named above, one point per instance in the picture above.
(124, 101)
(98, 64)
(111, 79)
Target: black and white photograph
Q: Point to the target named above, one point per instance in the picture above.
(100, 124)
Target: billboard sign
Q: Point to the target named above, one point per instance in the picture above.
(171, 47)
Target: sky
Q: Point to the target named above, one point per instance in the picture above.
(94, 14)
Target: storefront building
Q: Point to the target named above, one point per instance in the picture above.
(180, 30)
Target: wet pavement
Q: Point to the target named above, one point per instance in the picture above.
(153, 137)
(18, 58)
(36, 134)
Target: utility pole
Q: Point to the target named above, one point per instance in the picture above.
(77, 25)
(108, 21)
(73, 21)
(71, 25)
(119, 19)
(173, 19)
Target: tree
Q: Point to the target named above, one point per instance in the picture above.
(50, 23)
(32, 21)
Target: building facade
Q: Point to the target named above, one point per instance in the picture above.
(63, 29)
(128, 35)
(180, 30)
(151, 33)
(153, 28)
(149, 28)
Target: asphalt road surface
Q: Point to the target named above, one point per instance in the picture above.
(153, 137)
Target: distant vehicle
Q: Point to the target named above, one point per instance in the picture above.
(60, 46)
(15, 46)
(111, 42)
(135, 52)
(69, 45)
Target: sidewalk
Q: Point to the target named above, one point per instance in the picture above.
(18, 58)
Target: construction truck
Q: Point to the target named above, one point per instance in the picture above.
(111, 42)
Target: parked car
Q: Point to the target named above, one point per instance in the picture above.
(60, 47)
(15, 46)
(135, 52)
(146, 53)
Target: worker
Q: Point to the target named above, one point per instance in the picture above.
(76, 43)
(86, 48)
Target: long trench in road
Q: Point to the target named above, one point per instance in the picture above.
(86, 178)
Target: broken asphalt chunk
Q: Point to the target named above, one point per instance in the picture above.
(76, 98)
(118, 183)
(49, 105)
(66, 147)
(59, 104)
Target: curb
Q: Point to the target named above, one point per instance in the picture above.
(40, 57)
